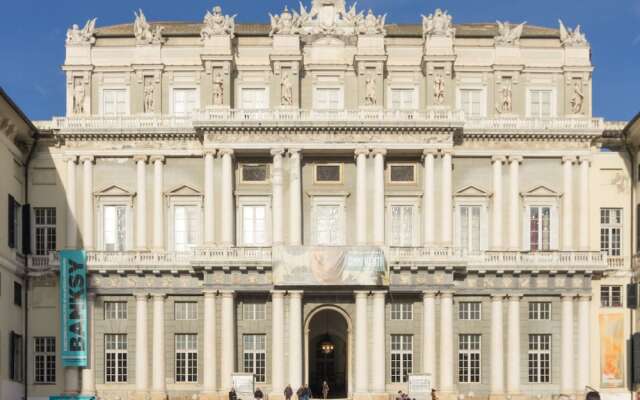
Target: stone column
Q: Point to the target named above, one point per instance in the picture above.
(429, 334)
(227, 198)
(497, 347)
(277, 208)
(378, 196)
(513, 345)
(361, 348)
(72, 219)
(142, 350)
(277, 345)
(89, 373)
(514, 202)
(429, 198)
(87, 202)
(158, 386)
(567, 372)
(584, 310)
(446, 343)
(158, 202)
(228, 345)
(361, 196)
(584, 203)
(209, 384)
(447, 208)
(295, 199)
(141, 202)
(209, 202)
(497, 203)
(378, 353)
(295, 339)
(567, 204)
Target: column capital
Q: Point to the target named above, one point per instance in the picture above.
(446, 152)
(568, 296)
(446, 294)
(70, 158)
(499, 159)
(429, 294)
(278, 151)
(361, 293)
(140, 158)
(157, 158)
(497, 296)
(277, 293)
(141, 296)
(295, 152)
(584, 296)
(514, 296)
(228, 293)
(379, 293)
(568, 159)
(379, 152)
(295, 293)
(158, 296)
(361, 151)
(516, 159)
(87, 158)
(210, 293)
(585, 160)
(226, 152)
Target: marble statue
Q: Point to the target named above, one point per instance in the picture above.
(509, 35)
(438, 24)
(370, 97)
(287, 23)
(570, 37)
(75, 35)
(287, 90)
(217, 24)
(149, 101)
(438, 89)
(577, 100)
(372, 24)
(79, 95)
(143, 31)
(506, 101)
(218, 89)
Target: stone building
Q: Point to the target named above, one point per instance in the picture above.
(332, 197)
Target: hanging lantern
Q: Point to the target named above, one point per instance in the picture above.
(327, 345)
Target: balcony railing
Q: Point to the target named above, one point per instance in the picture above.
(512, 125)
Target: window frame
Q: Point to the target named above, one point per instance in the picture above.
(247, 87)
(50, 229)
(252, 357)
(481, 200)
(253, 201)
(267, 179)
(537, 353)
(190, 360)
(254, 311)
(120, 358)
(16, 357)
(44, 374)
(121, 309)
(407, 88)
(402, 164)
(401, 360)
(323, 201)
(536, 311)
(338, 88)
(482, 90)
(469, 314)
(190, 312)
(404, 201)
(548, 200)
(172, 98)
(401, 311)
(610, 227)
(329, 164)
(466, 374)
(608, 301)
(113, 88)
(553, 101)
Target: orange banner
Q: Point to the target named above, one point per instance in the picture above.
(612, 350)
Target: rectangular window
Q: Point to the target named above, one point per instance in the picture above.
(184, 101)
(185, 310)
(254, 311)
(470, 102)
(539, 362)
(254, 99)
(470, 310)
(187, 358)
(115, 358)
(14, 217)
(45, 230)
(402, 173)
(115, 228)
(328, 173)
(17, 294)
(186, 227)
(403, 98)
(611, 231)
(401, 357)
(401, 311)
(114, 102)
(540, 106)
(328, 225)
(611, 296)
(402, 225)
(540, 228)
(16, 371)
(539, 310)
(255, 356)
(469, 358)
(254, 225)
(470, 228)
(115, 310)
(252, 173)
(44, 359)
(327, 98)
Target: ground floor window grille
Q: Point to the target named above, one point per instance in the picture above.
(45, 359)
(115, 368)
(469, 358)
(255, 356)
(539, 358)
(401, 357)
(187, 358)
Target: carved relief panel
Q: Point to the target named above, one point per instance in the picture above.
(287, 79)
(79, 92)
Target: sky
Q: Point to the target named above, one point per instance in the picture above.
(32, 51)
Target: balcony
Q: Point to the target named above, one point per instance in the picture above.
(585, 126)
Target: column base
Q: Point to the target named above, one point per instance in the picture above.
(209, 396)
(447, 395)
(139, 396)
(158, 396)
(361, 396)
(500, 396)
(379, 396)
(517, 396)
(276, 396)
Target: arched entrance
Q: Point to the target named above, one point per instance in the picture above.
(328, 325)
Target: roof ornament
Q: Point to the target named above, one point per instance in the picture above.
(372, 24)
(287, 23)
(438, 24)
(143, 31)
(216, 24)
(509, 35)
(331, 17)
(75, 35)
(572, 38)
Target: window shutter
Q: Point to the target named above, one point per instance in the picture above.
(635, 346)
(526, 239)
(457, 223)
(12, 223)
(554, 228)
(484, 229)
(26, 229)
(12, 351)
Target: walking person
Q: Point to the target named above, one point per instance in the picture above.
(258, 395)
(325, 390)
(288, 392)
(232, 394)
(300, 392)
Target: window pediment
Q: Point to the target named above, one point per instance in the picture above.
(540, 191)
(472, 191)
(184, 191)
(114, 191)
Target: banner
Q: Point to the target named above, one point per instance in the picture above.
(72, 397)
(612, 350)
(73, 308)
(419, 386)
(307, 266)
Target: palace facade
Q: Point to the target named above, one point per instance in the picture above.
(326, 197)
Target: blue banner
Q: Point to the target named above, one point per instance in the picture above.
(72, 397)
(73, 308)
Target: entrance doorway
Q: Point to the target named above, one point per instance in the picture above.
(327, 352)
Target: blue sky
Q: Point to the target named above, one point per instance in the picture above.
(34, 30)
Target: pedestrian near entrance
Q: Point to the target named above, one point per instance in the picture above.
(258, 395)
(232, 394)
(288, 392)
(300, 392)
(325, 390)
